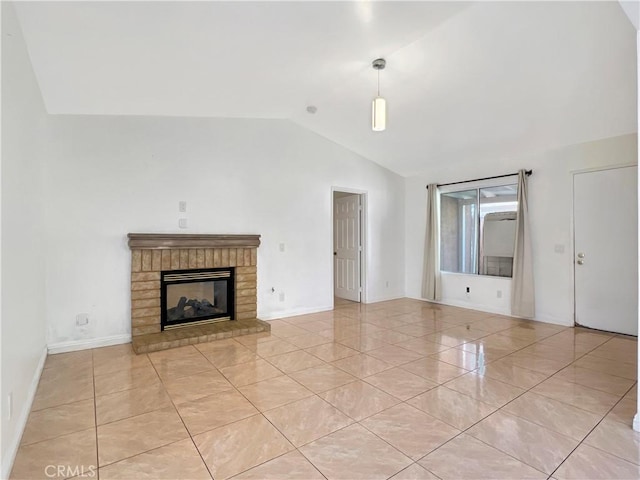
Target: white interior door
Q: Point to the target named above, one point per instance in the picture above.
(605, 212)
(347, 248)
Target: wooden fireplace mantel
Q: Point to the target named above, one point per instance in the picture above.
(177, 240)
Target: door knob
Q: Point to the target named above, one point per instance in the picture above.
(580, 262)
(581, 255)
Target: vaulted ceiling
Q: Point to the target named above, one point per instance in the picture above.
(463, 80)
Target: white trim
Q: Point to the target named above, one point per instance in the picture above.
(14, 443)
(636, 418)
(74, 345)
(602, 168)
(293, 312)
(554, 321)
(386, 298)
(497, 311)
(477, 275)
(347, 190)
(364, 222)
(471, 306)
(364, 241)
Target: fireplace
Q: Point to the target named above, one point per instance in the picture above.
(216, 275)
(196, 297)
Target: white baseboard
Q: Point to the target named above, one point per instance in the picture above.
(305, 311)
(384, 299)
(84, 344)
(14, 443)
(554, 321)
(498, 311)
(473, 306)
(293, 312)
(636, 422)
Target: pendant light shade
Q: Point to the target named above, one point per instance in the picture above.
(379, 114)
(379, 105)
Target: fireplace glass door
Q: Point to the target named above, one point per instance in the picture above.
(196, 296)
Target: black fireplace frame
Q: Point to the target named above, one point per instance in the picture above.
(229, 315)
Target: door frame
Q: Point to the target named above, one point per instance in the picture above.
(573, 173)
(363, 240)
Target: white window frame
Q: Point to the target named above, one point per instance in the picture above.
(474, 185)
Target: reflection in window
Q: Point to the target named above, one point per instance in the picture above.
(477, 230)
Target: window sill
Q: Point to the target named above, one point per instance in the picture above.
(474, 275)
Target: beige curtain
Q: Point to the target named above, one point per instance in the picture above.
(522, 297)
(431, 276)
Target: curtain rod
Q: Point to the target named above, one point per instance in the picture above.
(526, 172)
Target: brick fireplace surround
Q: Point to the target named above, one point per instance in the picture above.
(151, 254)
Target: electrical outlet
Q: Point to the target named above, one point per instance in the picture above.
(499, 294)
(281, 296)
(387, 283)
(182, 206)
(468, 292)
(182, 223)
(82, 319)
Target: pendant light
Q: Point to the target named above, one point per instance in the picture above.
(379, 104)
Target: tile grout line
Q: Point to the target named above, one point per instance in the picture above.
(591, 431)
(151, 411)
(193, 442)
(259, 412)
(463, 431)
(359, 422)
(501, 407)
(357, 378)
(315, 394)
(95, 413)
(426, 413)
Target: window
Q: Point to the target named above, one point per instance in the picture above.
(477, 228)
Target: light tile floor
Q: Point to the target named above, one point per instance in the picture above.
(400, 389)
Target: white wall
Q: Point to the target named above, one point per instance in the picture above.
(23, 266)
(636, 418)
(108, 176)
(550, 206)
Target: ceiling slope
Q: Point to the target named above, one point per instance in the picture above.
(463, 80)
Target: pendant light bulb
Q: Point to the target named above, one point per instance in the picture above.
(379, 104)
(379, 114)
